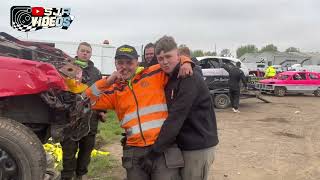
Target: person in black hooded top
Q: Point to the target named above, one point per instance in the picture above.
(149, 56)
(235, 76)
(79, 166)
(191, 122)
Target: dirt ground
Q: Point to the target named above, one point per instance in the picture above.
(277, 141)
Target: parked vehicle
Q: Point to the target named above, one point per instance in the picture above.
(291, 82)
(217, 77)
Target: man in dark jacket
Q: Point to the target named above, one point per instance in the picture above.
(79, 166)
(149, 57)
(235, 76)
(191, 122)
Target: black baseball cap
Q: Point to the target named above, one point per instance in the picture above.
(126, 51)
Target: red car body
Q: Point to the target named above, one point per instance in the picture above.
(21, 77)
(292, 82)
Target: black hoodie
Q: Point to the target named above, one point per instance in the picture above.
(90, 75)
(145, 64)
(191, 122)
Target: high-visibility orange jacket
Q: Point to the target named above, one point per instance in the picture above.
(140, 104)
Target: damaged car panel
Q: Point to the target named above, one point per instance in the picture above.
(43, 91)
(40, 97)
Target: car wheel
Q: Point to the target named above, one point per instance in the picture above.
(21, 153)
(280, 91)
(221, 101)
(317, 93)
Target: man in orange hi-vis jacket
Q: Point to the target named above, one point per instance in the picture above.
(137, 96)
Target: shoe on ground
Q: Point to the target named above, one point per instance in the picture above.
(235, 110)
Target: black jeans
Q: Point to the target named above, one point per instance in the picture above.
(71, 164)
(234, 98)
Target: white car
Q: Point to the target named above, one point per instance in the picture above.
(217, 77)
(212, 65)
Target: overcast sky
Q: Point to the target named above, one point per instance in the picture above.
(199, 24)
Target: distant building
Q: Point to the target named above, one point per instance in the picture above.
(314, 59)
(276, 58)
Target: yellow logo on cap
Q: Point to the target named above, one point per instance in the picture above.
(125, 49)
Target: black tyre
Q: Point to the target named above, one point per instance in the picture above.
(22, 156)
(221, 101)
(317, 93)
(280, 91)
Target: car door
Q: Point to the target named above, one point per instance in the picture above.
(314, 81)
(299, 83)
(215, 76)
(210, 67)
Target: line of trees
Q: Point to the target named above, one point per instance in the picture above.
(199, 53)
(250, 48)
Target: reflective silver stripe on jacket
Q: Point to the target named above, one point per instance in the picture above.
(95, 90)
(144, 126)
(144, 111)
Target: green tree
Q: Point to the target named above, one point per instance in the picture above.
(250, 48)
(269, 48)
(225, 53)
(292, 49)
(209, 53)
(197, 53)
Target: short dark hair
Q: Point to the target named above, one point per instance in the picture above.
(238, 64)
(166, 44)
(184, 50)
(85, 44)
(149, 45)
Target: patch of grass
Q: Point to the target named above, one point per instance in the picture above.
(110, 130)
(100, 166)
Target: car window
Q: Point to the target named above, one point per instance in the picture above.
(214, 63)
(299, 76)
(204, 64)
(313, 76)
(303, 76)
(283, 77)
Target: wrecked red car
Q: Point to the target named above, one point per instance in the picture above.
(36, 103)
